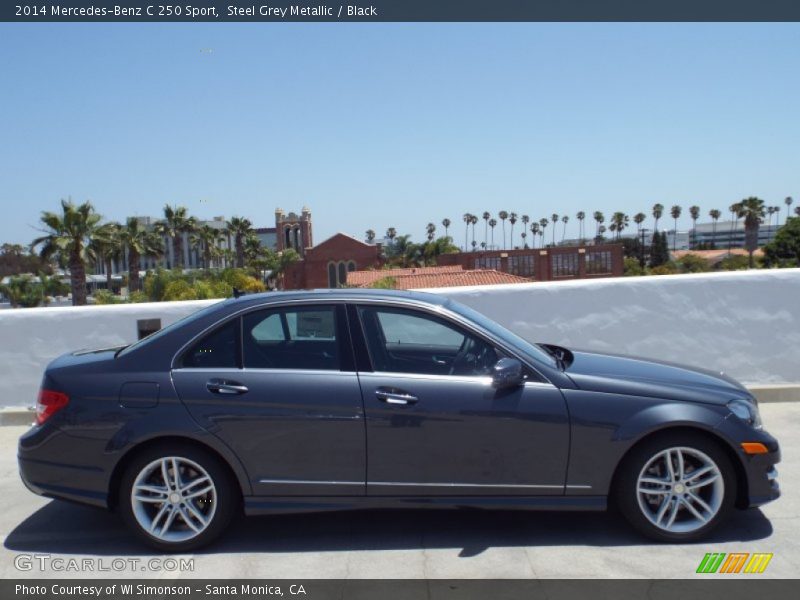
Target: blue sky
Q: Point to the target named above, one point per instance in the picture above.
(395, 124)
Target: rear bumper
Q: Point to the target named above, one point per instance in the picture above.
(53, 464)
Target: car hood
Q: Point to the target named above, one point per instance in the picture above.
(616, 374)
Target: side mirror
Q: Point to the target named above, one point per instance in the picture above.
(507, 372)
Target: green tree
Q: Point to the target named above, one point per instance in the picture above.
(658, 212)
(752, 210)
(176, 222)
(107, 247)
(581, 215)
(788, 202)
(486, 217)
(492, 224)
(564, 220)
(784, 249)
(694, 212)
(599, 218)
(69, 235)
(370, 236)
(503, 216)
(206, 239)
(239, 228)
(675, 213)
(715, 214)
(139, 242)
(446, 225)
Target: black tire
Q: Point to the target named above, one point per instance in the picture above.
(228, 496)
(625, 495)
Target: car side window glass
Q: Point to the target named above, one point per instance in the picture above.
(407, 341)
(291, 338)
(218, 349)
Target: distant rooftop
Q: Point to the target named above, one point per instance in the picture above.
(433, 277)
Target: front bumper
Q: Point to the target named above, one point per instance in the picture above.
(762, 476)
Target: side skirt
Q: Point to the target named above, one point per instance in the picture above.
(261, 505)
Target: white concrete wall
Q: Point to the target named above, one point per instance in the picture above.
(745, 323)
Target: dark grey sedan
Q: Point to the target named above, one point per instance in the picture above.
(344, 399)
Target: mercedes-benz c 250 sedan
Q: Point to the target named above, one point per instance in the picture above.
(344, 399)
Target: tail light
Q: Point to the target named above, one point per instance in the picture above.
(48, 404)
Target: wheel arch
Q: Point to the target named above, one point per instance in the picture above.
(237, 474)
(742, 493)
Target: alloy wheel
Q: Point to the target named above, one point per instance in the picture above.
(174, 499)
(680, 489)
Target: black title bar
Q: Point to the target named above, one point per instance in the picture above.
(401, 10)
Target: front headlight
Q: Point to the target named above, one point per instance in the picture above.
(746, 411)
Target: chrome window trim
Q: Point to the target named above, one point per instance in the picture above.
(431, 308)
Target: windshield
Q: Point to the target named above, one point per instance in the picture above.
(162, 332)
(504, 334)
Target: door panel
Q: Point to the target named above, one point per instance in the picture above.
(296, 432)
(292, 408)
(461, 436)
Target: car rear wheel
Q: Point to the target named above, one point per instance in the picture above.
(177, 498)
(676, 488)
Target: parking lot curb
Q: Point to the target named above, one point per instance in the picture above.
(776, 393)
(17, 416)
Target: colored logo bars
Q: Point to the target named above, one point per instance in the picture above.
(735, 562)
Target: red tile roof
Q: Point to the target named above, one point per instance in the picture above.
(432, 277)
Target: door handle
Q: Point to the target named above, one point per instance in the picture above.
(222, 386)
(395, 397)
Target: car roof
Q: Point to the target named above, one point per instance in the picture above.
(340, 294)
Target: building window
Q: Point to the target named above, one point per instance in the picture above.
(598, 262)
(564, 265)
(351, 266)
(522, 265)
(288, 236)
(342, 273)
(332, 283)
(487, 262)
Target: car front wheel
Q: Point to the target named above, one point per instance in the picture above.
(676, 488)
(177, 499)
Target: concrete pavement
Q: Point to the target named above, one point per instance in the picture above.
(399, 544)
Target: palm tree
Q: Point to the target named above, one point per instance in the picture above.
(734, 209)
(675, 212)
(139, 242)
(564, 220)
(239, 228)
(446, 225)
(473, 222)
(524, 235)
(68, 236)
(176, 222)
(788, 202)
(106, 247)
(580, 216)
(486, 217)
(525, 219)
(512, 218)
(370, 233)
(612, 227)
(752, 209)
(430, 231)
(715, 214)
(658, 211)
(543, 223)
(503, 216)
(555, 221)
(620, 221)
(534, 231)
(467, 218)
(391, 233)
(797, 210)
(492, 224)
(206, 239)
(639, 218)
(599, 218)
(694, 212)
